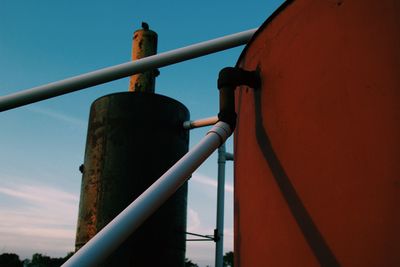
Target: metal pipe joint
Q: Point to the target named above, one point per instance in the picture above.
(229, 78)
(223, 131)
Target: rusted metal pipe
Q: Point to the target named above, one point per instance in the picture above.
(200, 123)
(144, 44)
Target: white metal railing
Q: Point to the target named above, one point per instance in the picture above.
(101, 76)
(121, 227)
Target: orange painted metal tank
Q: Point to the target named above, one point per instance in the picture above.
(317, 147)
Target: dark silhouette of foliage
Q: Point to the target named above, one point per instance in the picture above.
(10, 260)
(228, 259)
(189, 263)
(38, 260)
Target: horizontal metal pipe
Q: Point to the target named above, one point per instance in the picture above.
(229, 156)
(198, 239)
(205, 236)
(123, 70)
(121, 227)
(200, 123)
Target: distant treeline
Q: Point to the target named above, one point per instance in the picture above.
(38, 260)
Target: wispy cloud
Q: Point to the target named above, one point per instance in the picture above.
(58, 116)
(199, 222)
(193, 220)
(38, 194)
(205, 180)
(37, 215)
(200, 252)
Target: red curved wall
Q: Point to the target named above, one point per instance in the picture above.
(317, 147)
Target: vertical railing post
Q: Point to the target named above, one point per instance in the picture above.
(219, 231)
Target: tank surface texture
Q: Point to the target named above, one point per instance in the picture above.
(133, 138)
(317, 147)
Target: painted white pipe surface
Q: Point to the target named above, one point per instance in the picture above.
(121, 227)
(101, 76)
(200, 123)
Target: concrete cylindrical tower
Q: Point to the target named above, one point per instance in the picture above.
(133, 138)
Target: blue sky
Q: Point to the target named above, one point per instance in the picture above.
(42, 144)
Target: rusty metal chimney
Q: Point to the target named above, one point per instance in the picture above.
(144, 44)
